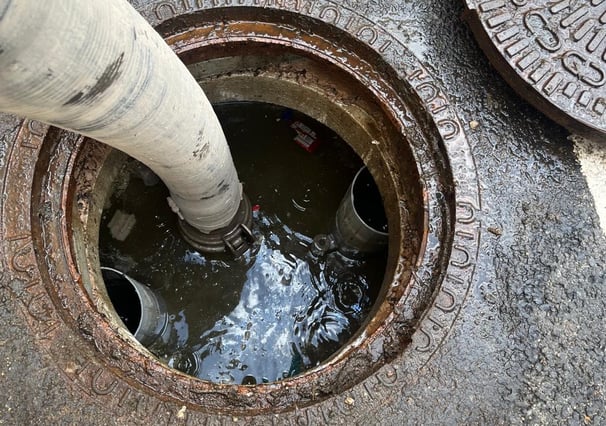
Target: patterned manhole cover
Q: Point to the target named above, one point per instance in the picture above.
(552, 52)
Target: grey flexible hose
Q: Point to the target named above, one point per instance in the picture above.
(98, 68)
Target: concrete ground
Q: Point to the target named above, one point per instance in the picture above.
(529, 345)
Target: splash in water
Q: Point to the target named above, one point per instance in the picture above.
(294, 311)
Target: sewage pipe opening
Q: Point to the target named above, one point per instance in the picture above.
(124, 298)
(360, 227)
(368, 203)
(140, 309)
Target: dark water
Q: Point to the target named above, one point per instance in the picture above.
(277, 310)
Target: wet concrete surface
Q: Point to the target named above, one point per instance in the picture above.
(529, 345)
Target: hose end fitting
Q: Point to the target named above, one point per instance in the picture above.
(234, 238)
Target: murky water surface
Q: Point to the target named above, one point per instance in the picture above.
(277, 310)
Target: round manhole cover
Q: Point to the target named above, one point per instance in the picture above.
(552, 53)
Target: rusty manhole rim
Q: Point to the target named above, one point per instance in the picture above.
(404, 312)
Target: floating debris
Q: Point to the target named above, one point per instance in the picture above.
(121, 224)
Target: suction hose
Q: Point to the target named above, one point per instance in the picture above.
(99, 69)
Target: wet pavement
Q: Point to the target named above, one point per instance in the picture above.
(529, 343)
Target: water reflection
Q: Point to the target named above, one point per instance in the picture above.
(294, 311)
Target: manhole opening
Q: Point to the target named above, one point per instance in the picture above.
(343, 85)
(280, 309)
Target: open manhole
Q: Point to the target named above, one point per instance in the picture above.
(376, 97)
(249, 70)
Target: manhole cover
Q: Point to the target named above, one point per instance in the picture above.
(552, 53)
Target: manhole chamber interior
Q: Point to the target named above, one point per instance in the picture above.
(281, 307)
(325, 73)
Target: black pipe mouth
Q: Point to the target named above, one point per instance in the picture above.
(368, 203)
(124, 298)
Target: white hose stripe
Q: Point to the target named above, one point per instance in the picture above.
(592, 157)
